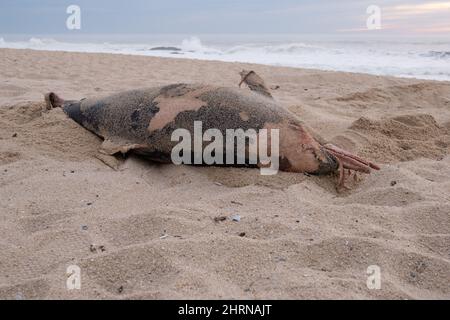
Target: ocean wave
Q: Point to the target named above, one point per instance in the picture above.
(438, 54)
(194, 44)
(412, 60)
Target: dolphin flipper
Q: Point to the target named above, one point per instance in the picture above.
(111, 146)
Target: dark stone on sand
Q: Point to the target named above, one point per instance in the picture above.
(221, 218)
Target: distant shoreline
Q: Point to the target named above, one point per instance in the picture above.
(178, 57)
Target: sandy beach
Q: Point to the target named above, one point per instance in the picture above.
(148, 231)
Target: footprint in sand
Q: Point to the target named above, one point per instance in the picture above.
(393, 197)
(7, 157)
(131, 270)
(242, 177)
(9, 91)
(31, 289)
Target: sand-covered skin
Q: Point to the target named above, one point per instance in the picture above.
(149, 230)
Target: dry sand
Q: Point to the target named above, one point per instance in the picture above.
(148, 230)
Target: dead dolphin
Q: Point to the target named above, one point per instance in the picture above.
(143, 121)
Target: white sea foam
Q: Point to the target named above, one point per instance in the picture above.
(418, 59)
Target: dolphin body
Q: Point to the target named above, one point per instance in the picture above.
(143, 121)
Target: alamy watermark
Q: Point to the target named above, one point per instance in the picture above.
(373, 22)
(237, 143)
(73, 21)
(374, 277)
(73, 281)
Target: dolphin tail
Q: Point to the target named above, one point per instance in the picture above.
(52, 100)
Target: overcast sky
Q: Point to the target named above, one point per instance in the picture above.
(223, 16)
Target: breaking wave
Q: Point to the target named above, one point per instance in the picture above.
(416, 60)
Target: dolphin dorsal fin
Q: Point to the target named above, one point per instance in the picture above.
(254, 82)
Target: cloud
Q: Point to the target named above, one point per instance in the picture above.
(219, 16)
(429, 17)
(423, 7)
(412, 11)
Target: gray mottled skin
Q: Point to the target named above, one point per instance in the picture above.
(126, 117)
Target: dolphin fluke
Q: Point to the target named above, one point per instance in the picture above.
(52, 100)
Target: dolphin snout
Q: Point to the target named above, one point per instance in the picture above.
(328, 164)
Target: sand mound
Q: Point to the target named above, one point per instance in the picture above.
(49, 132)
(418, 95)
(399, 138)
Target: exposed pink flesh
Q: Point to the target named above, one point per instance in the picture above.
(346, 160)
(350, 163)
(338, 151)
